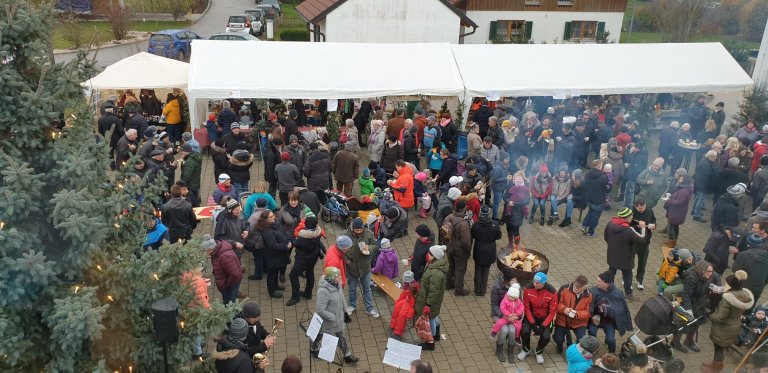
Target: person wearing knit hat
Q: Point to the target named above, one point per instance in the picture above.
(309, 248)
(539, 315)
(359, 260)
(619, 235)
(579, 355)
(611, 310)
(330, 307)
(238, 330)
(455, 180)
(739, 297)
(485, 232)
(432, 291)
(207, 243)
(424, 241)
(288, 177)
(454, 193)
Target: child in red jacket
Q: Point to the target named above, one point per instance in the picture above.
(404, 310)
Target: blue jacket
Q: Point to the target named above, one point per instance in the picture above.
(250, 203)
(576, 361)
(611, 303)
(499, 178)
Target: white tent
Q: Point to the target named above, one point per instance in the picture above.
(142, 70)
(562, 69)
(221, 69)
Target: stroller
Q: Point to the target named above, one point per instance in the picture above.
(659, 318)
(336, 209)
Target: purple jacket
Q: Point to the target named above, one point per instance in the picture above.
(677, 205)
(387, 263)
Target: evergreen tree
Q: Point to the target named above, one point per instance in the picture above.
(75, 297)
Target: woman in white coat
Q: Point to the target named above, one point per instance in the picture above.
(377, 139)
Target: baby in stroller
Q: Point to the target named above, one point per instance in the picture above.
(752, 326)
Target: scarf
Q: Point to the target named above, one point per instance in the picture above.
(620, 221)
(224, 188)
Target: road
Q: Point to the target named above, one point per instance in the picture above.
(210, 23)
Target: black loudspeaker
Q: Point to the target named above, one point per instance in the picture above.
(165, 319)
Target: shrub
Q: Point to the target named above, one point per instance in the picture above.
(118, 19)
(294, 35)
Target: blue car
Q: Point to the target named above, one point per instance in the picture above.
(176, 44)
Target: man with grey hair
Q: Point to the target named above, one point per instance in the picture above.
(125, 148)
(495, 132)
(668, 140)
(420, 366)
(703, 183)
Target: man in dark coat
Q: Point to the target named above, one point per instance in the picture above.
(125, 148)
(703, 183)
(621, 240)
(231, 353)
(258, 340)
(345, 167)
(362, 117)
(609, 310)
(485, 233)
(178, 216)
(191, 170)
(728, 176)
(235, 137)
(271, 159)
(564, 145)
(136, 120)
(481, 117)
(726, 209)
(459, 248)
(755, 263)
(718, 115)
(668, 141)
(697, 115)
(290, 127)
(317, 169)
(595, 187)
(641, 213)
(424, 241)
(636, 161)
(580, 140)
(110, 122)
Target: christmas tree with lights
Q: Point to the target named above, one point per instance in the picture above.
(76, 297)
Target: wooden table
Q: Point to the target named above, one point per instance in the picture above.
(386, 285)
(203, 213)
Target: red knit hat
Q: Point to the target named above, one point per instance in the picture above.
(285, 156)
(272, 116)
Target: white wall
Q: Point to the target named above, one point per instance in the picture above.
(546, 25)
(392, 21)
(760, 73)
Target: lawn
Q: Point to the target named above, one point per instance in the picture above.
(290, 20)
(101, 31)
(658, 37)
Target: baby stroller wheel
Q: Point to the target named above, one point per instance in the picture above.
(325, 214)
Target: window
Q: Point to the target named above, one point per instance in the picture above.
(533, 2)
(583, 30)
(565, 2)
(510, 31)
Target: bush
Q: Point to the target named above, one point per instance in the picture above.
(644, 19)
(118, 19)
(294, 35)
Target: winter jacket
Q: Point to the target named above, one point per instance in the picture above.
(250, 203)
(298, 155)
(366, 185)
(677, 204)
(758, 151)
(595, 186)
(387, 263)
(704, 178)
(540, 304)
(191, 170)
(743, 133)
(725, 212)
(123, 152)
(403, 187)
(230, 227)
(561, 187)
(220, 191)
(611, 303)
(376, 144)
(390, 154)
(358, 263)
(288, 176)
(309, 199)
(231, 142)
(755, 263)
(579, 197)
(461, 244)
(225, 119)
(760, 183)
(513, 307)
(499, 182)
(576, 361)
(404, 309)
(716, 250)
(651, 193)
(226, 266)
(474, 144)
(317, 170)
(444, 209)
(156, 236)
(695, 292)
(335, 258)
(110, 122)
(395, 228)
(498, 293)
(480, 116)
(433, 287)
(240, 169)
(485, 233)
(410, 147)
(636, 162)
(648, 217)
(564, 148)
(331, 306)
(541, 186)
(727, 177)
(271, 160)
(308, 245)
(345, 166)
(276, 251)
(220, 160)
(521, 197)
(289, 217)
(196, 283)
(568, 299)
(178, 216)
(726, 320)
(473, 204)
(616, 160)
(419, 258)
(137, 122)
(449, 135)
(232, 357)
(621, 240)
(669, 271)
(449, 168)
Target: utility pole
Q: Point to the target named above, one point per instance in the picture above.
(631, 21)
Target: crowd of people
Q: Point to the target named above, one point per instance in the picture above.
(522, 159)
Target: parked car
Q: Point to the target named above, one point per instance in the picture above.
(239, 23)
(269, 10)
(258, 25)
(275, 4)
(175, 44)
(234, 36)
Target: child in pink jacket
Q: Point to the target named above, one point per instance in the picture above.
(511, 305)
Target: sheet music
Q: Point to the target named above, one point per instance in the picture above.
(314, 327)
(400, 354)
(328, 347)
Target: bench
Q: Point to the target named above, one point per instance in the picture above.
(386, 285)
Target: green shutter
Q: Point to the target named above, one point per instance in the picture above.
(567, 33)
(492, 32)
(600, 28)
(528, 29)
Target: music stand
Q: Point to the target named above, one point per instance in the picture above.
(306, 316)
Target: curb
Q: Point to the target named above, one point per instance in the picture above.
(102, 47)
(204, 12)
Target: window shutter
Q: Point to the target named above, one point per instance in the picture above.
(600, 27)
(528, 29)
(492, 34)
(567, 33)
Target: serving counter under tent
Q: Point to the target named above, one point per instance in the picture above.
(142, 70)
(286, 70)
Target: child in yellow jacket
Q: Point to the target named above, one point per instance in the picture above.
(669, 269)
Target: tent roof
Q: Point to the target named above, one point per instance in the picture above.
(543, 69)
(142, 70)
(321, 70)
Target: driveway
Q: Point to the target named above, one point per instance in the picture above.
(212, 22)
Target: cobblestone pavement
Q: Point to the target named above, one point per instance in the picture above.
(466, 321)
